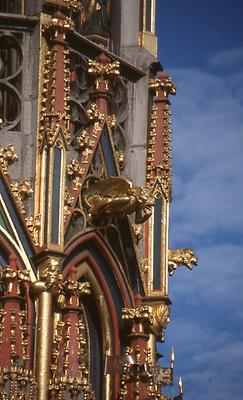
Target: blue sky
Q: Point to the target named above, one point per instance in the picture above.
(201, 47)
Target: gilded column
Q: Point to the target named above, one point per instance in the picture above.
(44, 290)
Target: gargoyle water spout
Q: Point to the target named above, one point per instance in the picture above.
(116, 198)
(184, 256)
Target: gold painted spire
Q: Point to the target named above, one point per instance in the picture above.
(172, 357)
(180, 383)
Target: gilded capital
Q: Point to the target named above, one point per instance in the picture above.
(104, 68)
(144, 313)
(59, 24)
(163, 82)
(49, 277)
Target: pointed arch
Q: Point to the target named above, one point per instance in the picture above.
(110, 293)
(13, 227)
(92, 245)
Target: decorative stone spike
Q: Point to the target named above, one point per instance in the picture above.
(69, 372)
(15, 380)
(158, 150)
(138, 380)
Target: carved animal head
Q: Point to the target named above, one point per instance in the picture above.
(184, 256)
(190, 258)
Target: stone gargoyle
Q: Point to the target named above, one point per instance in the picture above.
(184, 256)
(115, 197)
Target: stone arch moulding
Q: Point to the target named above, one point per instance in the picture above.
(92, 258)
(9, 246)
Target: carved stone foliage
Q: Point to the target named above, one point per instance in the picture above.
(73, 169)
(11, 58)
(144, 265)
(138, 232)
(33, 224)
(94, 114)
(7, 157)
(144, 313)
(21, 191)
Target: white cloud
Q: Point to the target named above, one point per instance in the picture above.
(215, 370)
(209, 360)
(207, 214)
(208, 146)
(227, 58)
